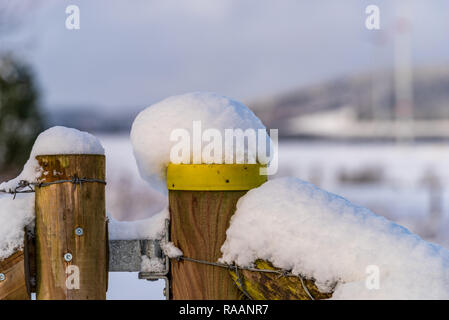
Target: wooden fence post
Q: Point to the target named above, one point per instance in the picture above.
(71, 239)
(202, 200)
(15, 276)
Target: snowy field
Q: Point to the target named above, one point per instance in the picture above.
(407, 184)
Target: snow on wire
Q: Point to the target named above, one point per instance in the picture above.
(240, 284)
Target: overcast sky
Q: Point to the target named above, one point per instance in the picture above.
(133, 53)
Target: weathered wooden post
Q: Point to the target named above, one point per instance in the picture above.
(202, 200)
(14, 276)
(71, 239)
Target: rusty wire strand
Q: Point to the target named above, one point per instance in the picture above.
(240, 283)
(27, 187)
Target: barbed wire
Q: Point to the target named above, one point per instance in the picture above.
(27, 187)
(235, 268)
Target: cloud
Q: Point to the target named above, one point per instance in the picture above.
(135, 54)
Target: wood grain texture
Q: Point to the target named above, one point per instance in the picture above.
(268, 286)
(60, 209)
(16, 285)
(199, 220)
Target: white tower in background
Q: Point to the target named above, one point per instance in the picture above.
(403, 74)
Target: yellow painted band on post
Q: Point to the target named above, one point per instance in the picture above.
(214, 177)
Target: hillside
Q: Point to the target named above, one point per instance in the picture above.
(366, 98)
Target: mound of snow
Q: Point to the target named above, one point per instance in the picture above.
(56, 140)
(319, 235)
(151, 130)
(15, 215)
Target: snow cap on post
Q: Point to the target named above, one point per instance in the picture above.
(53, 141)
(153, 127)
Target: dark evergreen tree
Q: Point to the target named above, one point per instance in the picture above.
(20, 118)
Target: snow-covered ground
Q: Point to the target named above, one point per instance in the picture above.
(407, 184)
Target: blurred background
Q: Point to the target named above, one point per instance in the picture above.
(362, 113)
